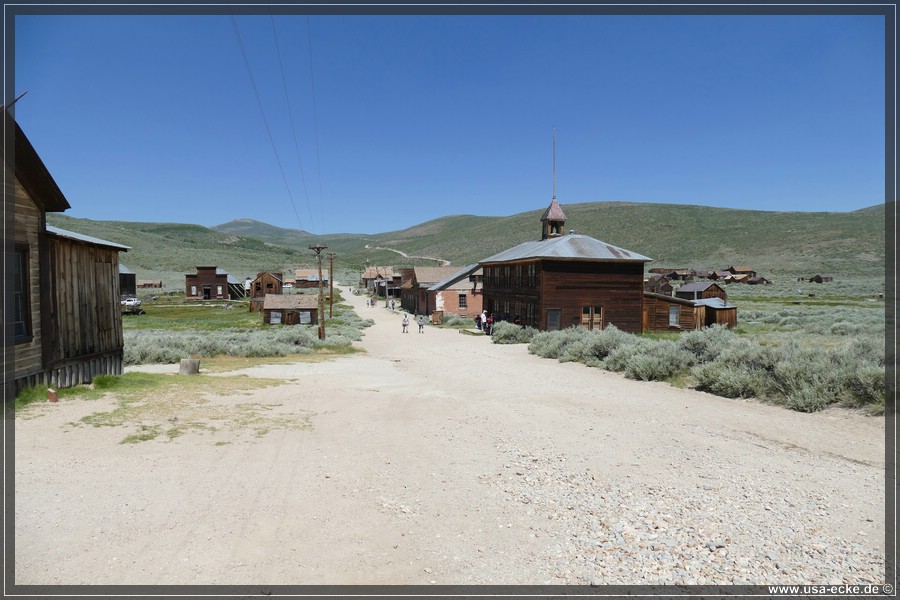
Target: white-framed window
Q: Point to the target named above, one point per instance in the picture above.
(462, 301)
(218, 290)
(193, 290)
(674, 315)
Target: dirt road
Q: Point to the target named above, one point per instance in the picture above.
(442, 458)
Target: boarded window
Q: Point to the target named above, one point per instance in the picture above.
(462, 301)
(21, 320)
(674, 315)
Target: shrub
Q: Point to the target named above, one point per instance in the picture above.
(728, 380)
(454, 320)
(707, 344)
(649, 361)
(552, 344)
(599, 344)
(866, 386)
(509, 333)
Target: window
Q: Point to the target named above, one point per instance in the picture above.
(193, 290)
(553, 319)
(218, 290)
(674, 314)
(592, 317)
(21, 312)
(462, 301)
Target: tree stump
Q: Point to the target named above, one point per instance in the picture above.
(190, 366)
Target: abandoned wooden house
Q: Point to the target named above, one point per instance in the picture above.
(292, 309)
(565, 280)
(415, 284)
(719, 275)
(758, 281)
(658, 284)
(64, 287)
(821, 278)
(211, 283)
(309, 278)
(381, 281)
(459, 294)
(149, 283)
(741, 270)
(267, 283)
(700, 291)
(667, 313)
(127, 281)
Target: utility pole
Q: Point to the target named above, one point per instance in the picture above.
(330, 282)
(318, 250)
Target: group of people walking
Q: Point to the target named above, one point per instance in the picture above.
(485, 322)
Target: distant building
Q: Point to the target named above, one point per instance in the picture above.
(127, 281)
(459, 294)
(667, 313)
(415, 284)
(212, 283)
(292, 309)
(309, 278)
(700, 291)
(821, 278)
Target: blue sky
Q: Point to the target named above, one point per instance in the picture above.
(389, 121)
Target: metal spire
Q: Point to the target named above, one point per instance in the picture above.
(554, 163)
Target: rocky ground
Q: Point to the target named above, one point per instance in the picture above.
(440, 458)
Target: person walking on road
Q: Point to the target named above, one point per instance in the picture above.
(405, 323)
(421, 323)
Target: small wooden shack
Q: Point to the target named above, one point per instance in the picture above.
(741, 270)
(266, 283)
(127, 281)
(665, 313)
(309, 278)
(821, 278)
(149, 283)
(658, 284)
(292, 309)
(699, 291)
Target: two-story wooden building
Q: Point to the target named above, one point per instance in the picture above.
(212, 283)
(565, 280)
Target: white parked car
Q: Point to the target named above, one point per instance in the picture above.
(131, 302)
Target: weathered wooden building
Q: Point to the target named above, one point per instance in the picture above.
(64, 294)
(658, 284)
(700, 291)
(459, 294)
(741, 270)
(127, 281)
(415, 284)
(212, 283)
(565, 280)
(309, 278)
(669, 313)
(382, 281)
(821, 278)
(266, 283)
(291, 309)
(149, 283)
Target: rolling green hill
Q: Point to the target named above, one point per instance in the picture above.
(774, 243)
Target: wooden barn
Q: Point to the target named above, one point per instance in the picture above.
(565, 280)
(127, 281)
(666, 313)
(212, 283)
(292, 309)
(267, 283)
(459, 294)
(415, 284)
(700, 291)
(65, 319)
(821, 278)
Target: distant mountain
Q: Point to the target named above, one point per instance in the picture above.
(775, 243)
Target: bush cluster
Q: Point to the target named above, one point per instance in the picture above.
(726, 364)
(510, 333)
(155, 346)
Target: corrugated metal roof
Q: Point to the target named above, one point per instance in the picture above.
(123, 270)
(85, 238)
(713, 303)
(573, 246)
(431, 275)
(696, 287)
(290, 301)
(465, 272)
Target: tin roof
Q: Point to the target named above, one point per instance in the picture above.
(465, 272)
(431, 275)
(573, 246)
(123, 270)
(228, 278)
(716, 303)
(85, 238)
(290, 301)
(713, 303)
(696, 287)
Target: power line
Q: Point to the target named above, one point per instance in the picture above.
(315, 118)
(265, 121)
(291, 113)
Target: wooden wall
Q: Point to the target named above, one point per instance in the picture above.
(82, 319)
(206, 277)
(656, 315)
(29, 221)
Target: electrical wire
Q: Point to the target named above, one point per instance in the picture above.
(293, 126)
(237, 33)
(315, 119)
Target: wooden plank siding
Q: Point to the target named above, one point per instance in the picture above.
(29, 221)
(82, 316)
(656, 314)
